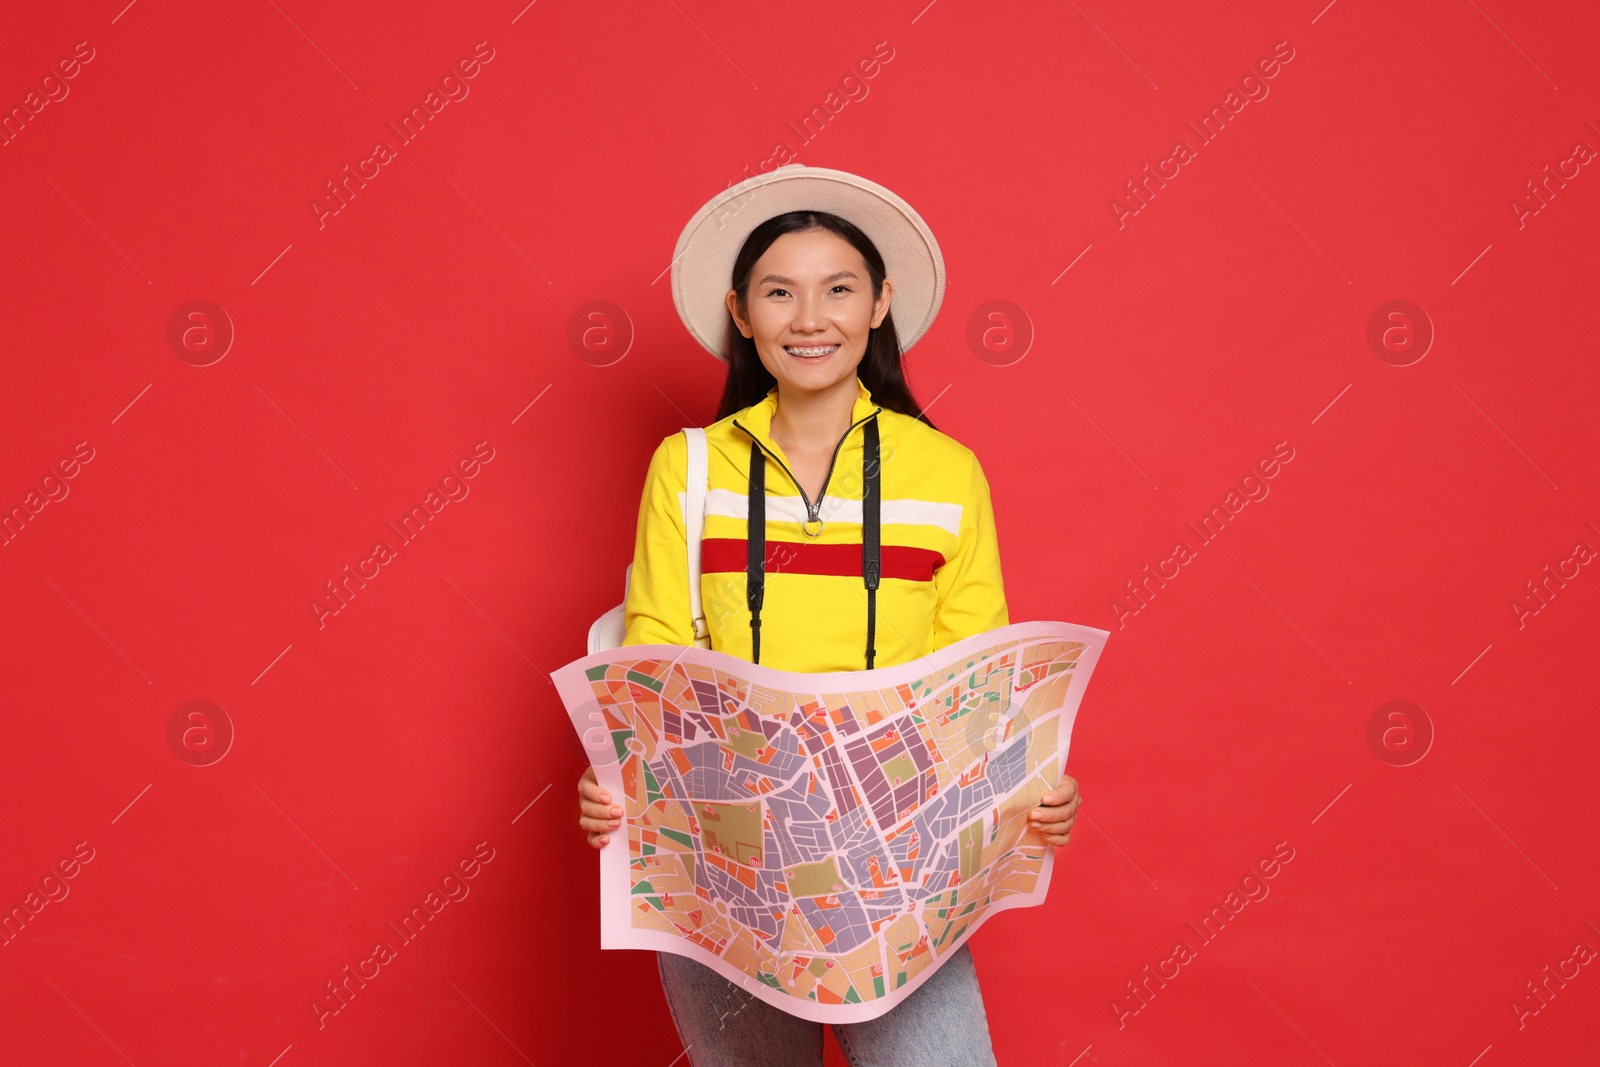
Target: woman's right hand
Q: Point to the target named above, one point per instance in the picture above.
(599, 814)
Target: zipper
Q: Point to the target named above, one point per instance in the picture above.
(812, 510)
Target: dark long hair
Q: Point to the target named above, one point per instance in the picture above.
(881, 369)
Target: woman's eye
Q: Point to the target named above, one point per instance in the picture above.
(786, 291)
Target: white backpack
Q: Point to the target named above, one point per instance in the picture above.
(609, 629)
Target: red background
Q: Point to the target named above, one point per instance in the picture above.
(431, 312)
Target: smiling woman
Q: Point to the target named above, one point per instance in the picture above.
(806, 569)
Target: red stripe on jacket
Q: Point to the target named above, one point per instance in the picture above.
(721, 554)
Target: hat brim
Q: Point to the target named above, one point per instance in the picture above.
(702, 263)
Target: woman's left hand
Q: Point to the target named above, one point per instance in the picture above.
(1057, 809)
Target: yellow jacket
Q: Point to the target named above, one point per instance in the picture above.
(941, 564)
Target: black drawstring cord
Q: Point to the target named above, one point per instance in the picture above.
(755, 582)
(870, 547)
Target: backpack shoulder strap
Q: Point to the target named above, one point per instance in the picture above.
(695, 519)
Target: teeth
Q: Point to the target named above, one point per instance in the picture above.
(812, 350)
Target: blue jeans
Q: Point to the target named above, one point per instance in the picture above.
(940, 1024)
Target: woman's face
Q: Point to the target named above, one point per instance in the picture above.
(809, 308)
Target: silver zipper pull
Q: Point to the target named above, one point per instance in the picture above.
(813, 517)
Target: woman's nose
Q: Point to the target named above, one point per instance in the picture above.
(808, 313)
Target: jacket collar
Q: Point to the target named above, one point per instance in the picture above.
(757, 418)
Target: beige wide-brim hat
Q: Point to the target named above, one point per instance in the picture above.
(702, 264)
